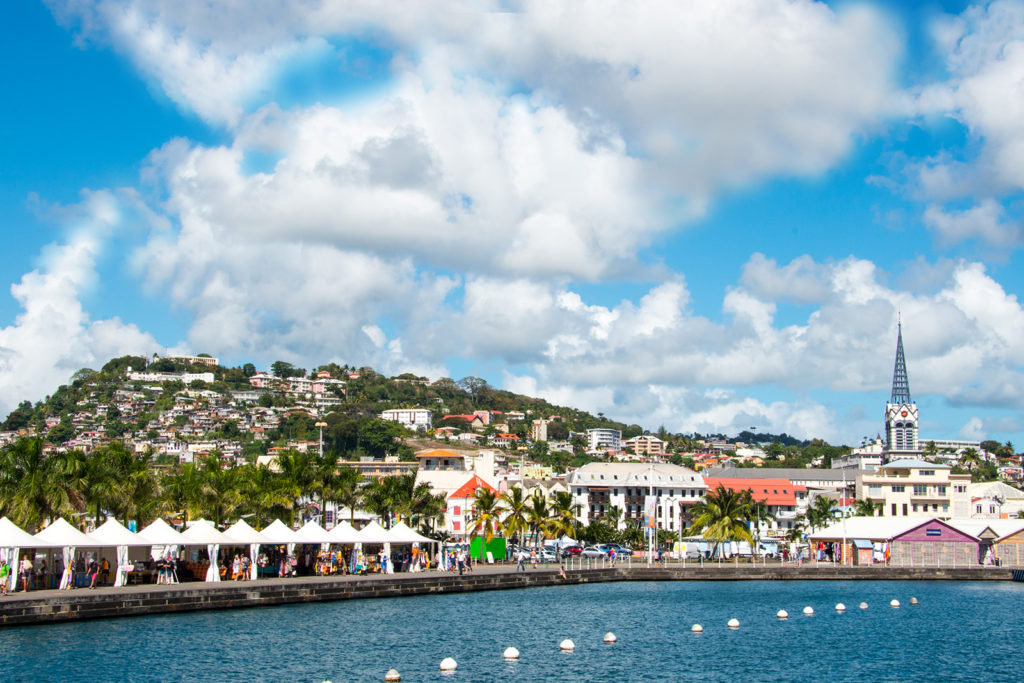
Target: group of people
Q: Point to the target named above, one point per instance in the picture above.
(95, 572)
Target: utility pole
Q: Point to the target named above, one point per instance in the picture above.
(652, 518)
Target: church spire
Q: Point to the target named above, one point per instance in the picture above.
(900, 384)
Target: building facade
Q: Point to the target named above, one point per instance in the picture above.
(645, 444)
(599, 486)
(604, 440)
(418, 419)
(915, 488)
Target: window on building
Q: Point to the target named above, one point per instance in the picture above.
(897, 488)
(457, 510)
(942, 490)
(992, 509)
(977, 508)
(927, 473)
(894, 509)
(875, 488)
(914, 507)
(456, 525)
(920, 490)
(904, 509)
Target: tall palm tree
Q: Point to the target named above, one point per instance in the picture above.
(180, 491)
(348, 489)
(220, 492)
(821, 513)
(722, 517)
(324, 479)
(297, 470)
(970, 459)
(515, 521)
(485, 517)
(266, 492)
(565, 515)
(538, 515)
(613, 516)
(426, 506)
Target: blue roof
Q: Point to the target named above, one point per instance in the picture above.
(862, 543)
(915, 463)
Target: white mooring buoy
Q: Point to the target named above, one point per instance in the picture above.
(449, 664)
(567, 645)
(808, 610)
(610, 637)
(840, 607)
(894, 603)
(392, 675)
(913, 601)
(697, 628)
(510, 653)
(863, 605)
(782, 614)
(734, 623)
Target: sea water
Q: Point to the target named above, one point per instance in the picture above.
(961, 631)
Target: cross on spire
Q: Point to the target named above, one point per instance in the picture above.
(900, 384)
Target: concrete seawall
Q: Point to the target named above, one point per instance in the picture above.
(49, 607)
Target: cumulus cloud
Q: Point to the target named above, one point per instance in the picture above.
(986, 221)
(53, 336)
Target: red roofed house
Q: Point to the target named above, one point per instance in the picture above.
(460, 505)
(778, 494)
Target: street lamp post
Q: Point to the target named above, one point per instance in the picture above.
(320, 426)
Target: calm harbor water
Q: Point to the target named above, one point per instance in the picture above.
(962, 631)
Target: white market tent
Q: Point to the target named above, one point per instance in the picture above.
(203, 532)
(62, 535)
(114, 534)
(12, 539)
(344, 534)
(403, 533)
(311, 532)
(163, 538)
(375, 533)
(244, 534)
(279, 534)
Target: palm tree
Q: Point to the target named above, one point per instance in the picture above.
(266, 491)
(515, 521)
(564, 515)
(35, 488)
(180, 492)
(864, 508)
(485, 517)
(613, 516)
(426, 507)
(757, 514)
(220, 493)
(821, 512)
(348, 489)
(323, 480)
(297, 470)
(970, 459)
(538, 516)
(722, 517)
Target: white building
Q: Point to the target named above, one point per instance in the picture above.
(599, 486)
(645, 444)
(604, 440)
(418, 419)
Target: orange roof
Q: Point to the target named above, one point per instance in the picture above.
(439, 453)
(768, 491)
(468, 490)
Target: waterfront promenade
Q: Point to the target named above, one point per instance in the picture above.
(51, 606)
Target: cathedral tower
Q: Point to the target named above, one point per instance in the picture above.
(901, 411)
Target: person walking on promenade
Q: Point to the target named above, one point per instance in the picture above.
(104, 571)
(94, 571)
(5, 577)
(25, 573)
(520, 560)
(533, 558)
(611, 556)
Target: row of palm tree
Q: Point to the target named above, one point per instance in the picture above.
(36, 488)
(515, 515)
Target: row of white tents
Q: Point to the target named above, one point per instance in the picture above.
(162, 540)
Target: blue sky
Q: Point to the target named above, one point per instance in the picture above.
(707, 220)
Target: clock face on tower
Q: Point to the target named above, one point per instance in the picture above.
(904, 413)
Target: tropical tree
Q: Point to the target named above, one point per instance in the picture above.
(348, 490)
(35, 488)
(613, 516)
(565, 514)
(864, 508)
(722, 517)
(426, 506)
(296, 470)
(220, 492)
(266, 494)
(970, 459)
(324, 479)
(757, 514)
(515, 521)
(821, 512)
(538, 516)
(485, 517)
(180, 492)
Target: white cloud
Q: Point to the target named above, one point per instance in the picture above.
(985, 221)
(53, 336)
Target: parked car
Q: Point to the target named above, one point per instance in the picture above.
(620, 550)
(693, 555)
(547, 555)
(593, 551)
(571, 551)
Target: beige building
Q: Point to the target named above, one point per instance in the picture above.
(645, 444)
(914, 488)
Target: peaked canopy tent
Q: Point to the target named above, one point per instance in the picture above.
(164, 540)
(344, 533)
(245, 534)
(113, 533)
(375, 533)
(203, 532)
(403, 533)
(12, 539)
(62, 535)
(311, 532)
(278, 533)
